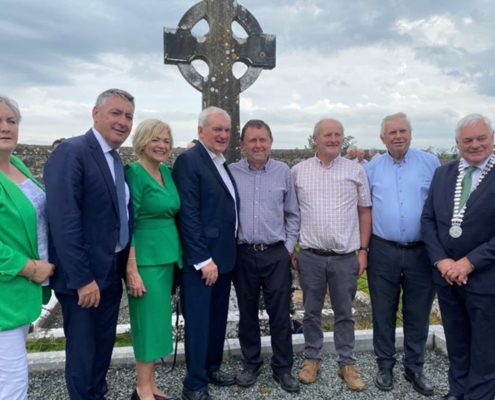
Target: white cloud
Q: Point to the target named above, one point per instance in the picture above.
(443, 31)
(355, 61)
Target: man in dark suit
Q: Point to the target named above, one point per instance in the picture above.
(207, 226)
(90, 221)
(458, 225)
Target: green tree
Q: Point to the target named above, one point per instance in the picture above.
(349, 140)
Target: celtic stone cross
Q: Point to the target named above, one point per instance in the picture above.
(220, 49)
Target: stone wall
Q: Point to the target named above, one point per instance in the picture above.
(34, 156)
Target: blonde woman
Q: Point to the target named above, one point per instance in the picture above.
(155, 251)
(23, 256)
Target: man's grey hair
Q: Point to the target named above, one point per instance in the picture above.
(12, 104)
(316, 130)
(207, 112)
(470, 120)
(392, 117)
(373, 151)
(103, 97)
(351, 149)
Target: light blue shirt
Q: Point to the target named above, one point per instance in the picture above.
(398, 193)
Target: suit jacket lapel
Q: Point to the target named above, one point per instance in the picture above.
(102, 163)
(233, 184)
(450, 187)
(211, 165)
(485, 183)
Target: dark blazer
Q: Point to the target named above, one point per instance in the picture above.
(478, 228)
(83, 217)
(207, 215)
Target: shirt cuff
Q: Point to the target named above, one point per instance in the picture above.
(202, 264)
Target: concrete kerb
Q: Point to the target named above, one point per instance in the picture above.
(124, 356)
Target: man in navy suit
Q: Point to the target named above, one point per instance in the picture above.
(90, 221)
(208, 227)
(458, 225)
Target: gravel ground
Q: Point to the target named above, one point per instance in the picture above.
(121, 381)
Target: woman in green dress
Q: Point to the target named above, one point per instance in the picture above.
(155, 251)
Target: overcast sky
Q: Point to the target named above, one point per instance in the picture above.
(356, 61)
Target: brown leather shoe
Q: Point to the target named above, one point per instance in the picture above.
(309, 371)
(351, 377)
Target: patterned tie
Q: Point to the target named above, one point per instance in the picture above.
(120, 186)
(466, 185)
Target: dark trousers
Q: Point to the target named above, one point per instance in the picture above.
(205, 310)
(90, 338)
(391, 269)
(269, 271)
(469, 324)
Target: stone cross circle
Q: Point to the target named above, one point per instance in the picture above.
(220, 49)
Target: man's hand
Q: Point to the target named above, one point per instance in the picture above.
(210, 273)
(293, 258)
(363, 262)
(89, 295)
(135, 285)
(444, 266)
(459, 271)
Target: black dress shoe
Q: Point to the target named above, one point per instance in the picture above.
(247, 377)
(420, 382)
(135, 396)
(194, 395)
(448, 396)
(165, 398)
(288, 382)
(220, 378)
(384, 379)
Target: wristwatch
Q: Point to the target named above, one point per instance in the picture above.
(366, 249)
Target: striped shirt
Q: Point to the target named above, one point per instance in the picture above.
(268, 211)
(328, 199)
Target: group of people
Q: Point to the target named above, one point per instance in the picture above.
(358, 154)
(416, 227)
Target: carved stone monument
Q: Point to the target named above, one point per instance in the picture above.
(220, 49)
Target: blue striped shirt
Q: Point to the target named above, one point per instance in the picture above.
(268, 211)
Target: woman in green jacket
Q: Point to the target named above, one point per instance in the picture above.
(23, 256)
(154, 252)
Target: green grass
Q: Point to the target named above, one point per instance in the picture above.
(44, 345)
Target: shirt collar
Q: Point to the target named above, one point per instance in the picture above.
(481, 166)
(263, 168)
(103, 144)
(219, 160)
(394, 161)
(335, 160)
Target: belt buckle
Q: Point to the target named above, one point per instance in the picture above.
(404, 245)
(259, 247)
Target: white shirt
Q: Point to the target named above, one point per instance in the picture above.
(219, 161)
(106, 152)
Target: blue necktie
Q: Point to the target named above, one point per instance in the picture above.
(120, 186)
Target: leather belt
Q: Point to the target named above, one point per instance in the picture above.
(327, 253)
(259, 246)
(400, 245)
